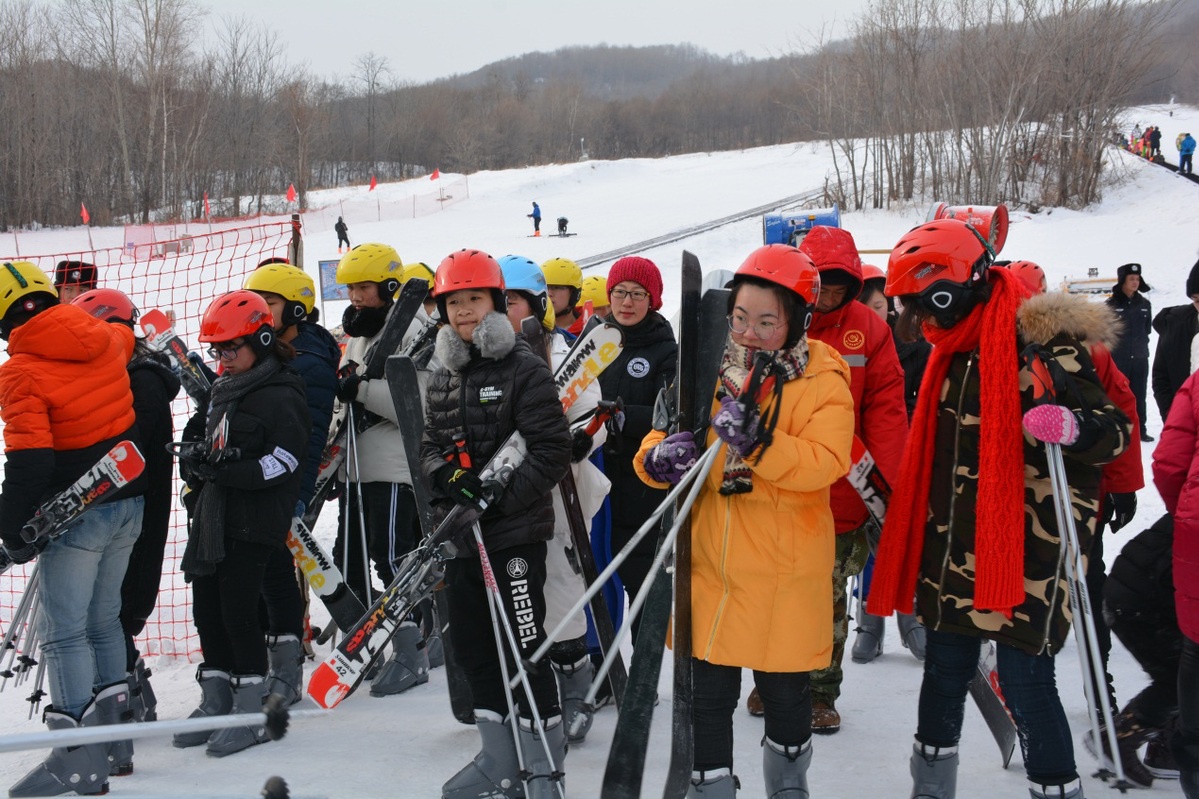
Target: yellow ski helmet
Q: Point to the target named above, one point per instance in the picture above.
(595, 289)
(291, 283)
(21, 287)
(372, 263)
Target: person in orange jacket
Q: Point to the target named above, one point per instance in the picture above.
(65, 401)
(880, 420)
(762, 526)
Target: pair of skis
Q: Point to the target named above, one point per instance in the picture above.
(421, 570)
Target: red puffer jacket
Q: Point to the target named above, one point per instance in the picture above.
(1176, 475)
(875, 376)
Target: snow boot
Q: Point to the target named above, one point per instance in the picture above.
(544, 774)
(1159, 760)
(934, 772)
(573, 683)
(714, 784)
(249, 692)
(753, 703)
(869, 642)
(1071, 790)
(78, 769)
(911, 633)
(141, 694)
(408, 666)
(495, 771)
(216, 699)
(825, 718)
(785, 769)
(114, 706)
(1131, 735)
(286, 675)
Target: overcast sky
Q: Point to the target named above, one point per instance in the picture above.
(428, 39)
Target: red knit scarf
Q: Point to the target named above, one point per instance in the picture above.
(999, 521)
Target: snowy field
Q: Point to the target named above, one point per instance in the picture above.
(406, 746)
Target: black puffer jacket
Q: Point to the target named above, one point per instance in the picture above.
(645, 366)
(487, 391)
(1141, 582)
(154, 386)
(270, 428)
(1175, 327)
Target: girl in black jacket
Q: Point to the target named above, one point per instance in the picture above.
(246, 468)
(488, 386)
(646, 366)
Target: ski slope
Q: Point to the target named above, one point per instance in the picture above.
(408, 745)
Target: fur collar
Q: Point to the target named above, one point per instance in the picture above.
(1044, 316)
(494, 338)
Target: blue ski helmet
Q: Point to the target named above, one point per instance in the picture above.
(524, 275)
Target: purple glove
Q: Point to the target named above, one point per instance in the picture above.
(670, 459)
(1053, 424)
(736, 428)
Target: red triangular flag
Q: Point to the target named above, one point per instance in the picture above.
(87, 218)
(436, 174)
(373, 183)
(291, 193)
(207, 210)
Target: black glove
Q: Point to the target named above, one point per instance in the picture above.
(25, 552)
(580, 445)
(465, 487)
(1123, 508)
(347, 387)
(204, 471)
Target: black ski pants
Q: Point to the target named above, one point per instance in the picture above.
(392, 531)
(520, 575)
(139, 590)
(715, 695)
(282, 605)
(230, 638)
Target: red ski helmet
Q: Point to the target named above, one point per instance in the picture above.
(872, 274)
(237, 314)
(469, 269)
(1030, 274)
(941, 266)
(109, 305)
(785, 266)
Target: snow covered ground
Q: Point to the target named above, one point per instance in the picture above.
(408, 745)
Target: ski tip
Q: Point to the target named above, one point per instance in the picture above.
(325, 688)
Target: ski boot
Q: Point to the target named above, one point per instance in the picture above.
(713, 784)
(934, 772)
(286, 675)
(141, 695)
(79, 769)
(869, 642)
(911, 633)
(573, 683)
(408, 666)
(546, 771)
(249, 692)
(495, 771)
(114, 706)
(216, 699)
(1071, 790)
(785, 769)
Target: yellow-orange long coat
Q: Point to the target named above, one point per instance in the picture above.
(761, 563)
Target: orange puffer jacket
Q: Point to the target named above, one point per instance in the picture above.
(65, 385)
(760, 562)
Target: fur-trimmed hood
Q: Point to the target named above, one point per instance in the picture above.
(1044, 316)
(494, 338)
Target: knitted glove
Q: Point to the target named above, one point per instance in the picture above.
(1053, 424)
(671, 458)
(735, 427)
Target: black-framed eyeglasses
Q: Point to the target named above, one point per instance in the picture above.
(636, 296)
(225, 352)
(763, 330)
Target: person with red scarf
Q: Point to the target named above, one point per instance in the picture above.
(971, 529)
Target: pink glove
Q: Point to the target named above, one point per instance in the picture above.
(1053, 424)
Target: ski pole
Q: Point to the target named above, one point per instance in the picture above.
(275, 717)
(12, 638)
(366, 561)
(496, 606)
(624, 553)
(697, 485)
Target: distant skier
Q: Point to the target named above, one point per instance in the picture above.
(343, 234)
(536, 217)
(1186, 155)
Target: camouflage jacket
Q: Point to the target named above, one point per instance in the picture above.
(945, 589)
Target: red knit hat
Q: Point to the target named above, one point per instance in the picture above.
(641, 271)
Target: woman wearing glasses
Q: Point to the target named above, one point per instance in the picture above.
(245, 472)
(646, 366)
(762, 528)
